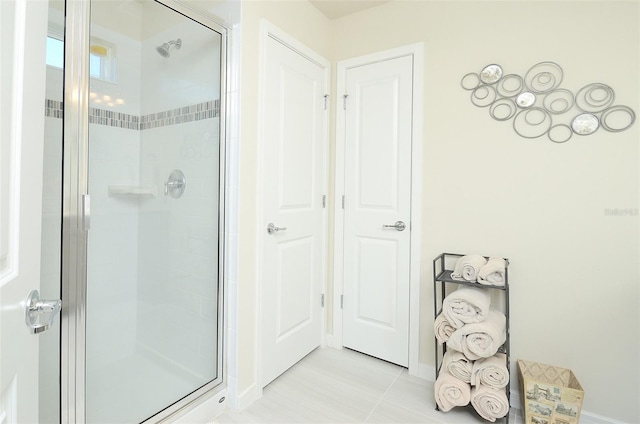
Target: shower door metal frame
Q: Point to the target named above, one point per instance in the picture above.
(75, 209)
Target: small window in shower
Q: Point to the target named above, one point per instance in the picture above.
(55, 52)
(102, 60)
(55, 46)
(102, 57)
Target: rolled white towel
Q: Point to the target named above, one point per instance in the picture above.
(466, 305)
(490, 404)
(493, 272)
(480, 339)
(491, 372)
(450, 392)
(467, 267)
(442, 329)
(457, 365)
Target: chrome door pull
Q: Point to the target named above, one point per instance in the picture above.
(399, 226)
(39, 315)
(272, 229)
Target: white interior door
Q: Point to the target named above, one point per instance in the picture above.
(293, 183)
(377, 209)
(23, 27)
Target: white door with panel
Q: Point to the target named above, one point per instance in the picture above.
(377, 208)
(22, 131)
(293, 180)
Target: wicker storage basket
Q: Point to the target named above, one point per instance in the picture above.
(550, 395)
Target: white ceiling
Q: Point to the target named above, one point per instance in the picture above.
(334, 9)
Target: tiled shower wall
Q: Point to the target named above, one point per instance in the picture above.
(51, 240)
(178, 248)
(152, 261)
(112, 259)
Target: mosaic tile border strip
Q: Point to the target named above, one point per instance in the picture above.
(181, 115)
(52, 108)
(113, 119)
(197, 112)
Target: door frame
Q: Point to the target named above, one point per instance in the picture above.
(269, 30)
(417, 52)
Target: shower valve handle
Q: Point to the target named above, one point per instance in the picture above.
(176, 184)
(171, 185)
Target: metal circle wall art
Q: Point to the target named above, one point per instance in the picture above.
(594, 97)
(491, 74)
(617, 118)
(503, 109)
(526, 99)
(510, 85)
(470, 81)
(560, 133)
(558, 101)
(533, 122)
(537, 104)
(585, 124)
(483, 96)
(543, 77)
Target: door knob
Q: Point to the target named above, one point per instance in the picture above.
(39, 315)
(272, 229)
(399, 226)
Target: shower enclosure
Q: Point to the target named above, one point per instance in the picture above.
(142, 203)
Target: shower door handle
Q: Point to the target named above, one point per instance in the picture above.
(39, 315)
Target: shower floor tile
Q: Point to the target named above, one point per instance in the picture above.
(343, 386)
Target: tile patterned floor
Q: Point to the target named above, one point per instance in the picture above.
(343, 386)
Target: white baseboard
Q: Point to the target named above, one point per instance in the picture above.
(204, 412)
(240, 401)
(591, 418)
(427, 372)
(246, 398)
(328, 340)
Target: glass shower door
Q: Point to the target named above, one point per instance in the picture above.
(153, 326)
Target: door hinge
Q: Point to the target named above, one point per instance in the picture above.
(341, 301)
(344, 101)
(326, 101)
(324, 201)
(322, 300)
(343, 201)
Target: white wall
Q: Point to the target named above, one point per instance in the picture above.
(574, 269)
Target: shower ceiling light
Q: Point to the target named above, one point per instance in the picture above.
(100, 51)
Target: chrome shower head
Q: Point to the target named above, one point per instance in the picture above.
(163, 50)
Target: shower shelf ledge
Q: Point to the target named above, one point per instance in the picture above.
(132, 191)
